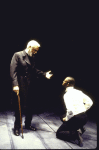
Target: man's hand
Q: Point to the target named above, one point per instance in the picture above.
(16, 89)
(48, 75)
(65, 119)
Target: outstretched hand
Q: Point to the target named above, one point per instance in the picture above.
(48, 75)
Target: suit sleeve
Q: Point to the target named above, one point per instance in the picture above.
(40, 73)
(13, 70)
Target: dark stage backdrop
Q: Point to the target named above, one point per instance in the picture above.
(67, 35)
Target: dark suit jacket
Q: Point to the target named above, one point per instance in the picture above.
(23, 73)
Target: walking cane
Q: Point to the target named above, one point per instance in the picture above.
(20, 113)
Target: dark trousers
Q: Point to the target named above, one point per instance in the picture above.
(28, 117)
(68, 130)
(27, 108)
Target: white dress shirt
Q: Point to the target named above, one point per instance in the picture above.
(76, 102)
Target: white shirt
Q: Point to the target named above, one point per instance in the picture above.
(76, 102)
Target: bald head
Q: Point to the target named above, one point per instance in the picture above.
(68, 81)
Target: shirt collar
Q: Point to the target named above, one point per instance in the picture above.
(69, 88)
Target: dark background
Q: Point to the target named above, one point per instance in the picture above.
(67, 32)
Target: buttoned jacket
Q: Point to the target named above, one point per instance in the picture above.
(21, 70)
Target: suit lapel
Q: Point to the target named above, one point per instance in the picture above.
(25, 57)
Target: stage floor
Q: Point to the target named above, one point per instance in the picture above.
(45, 135)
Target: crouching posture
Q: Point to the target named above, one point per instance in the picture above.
(77, 103)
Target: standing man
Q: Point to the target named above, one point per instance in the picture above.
(24, 75)
(77, 103)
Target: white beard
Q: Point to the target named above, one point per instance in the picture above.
(29, 52)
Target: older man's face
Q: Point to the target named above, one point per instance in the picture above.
(34, 50)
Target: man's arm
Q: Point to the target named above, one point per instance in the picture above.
(46, 74)
(87, 102)
(39, 72)
(69, 108)
(13, 72)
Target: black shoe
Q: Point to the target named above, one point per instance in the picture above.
(83, 129)
(80, 139)
(17, 131)
(30, 128)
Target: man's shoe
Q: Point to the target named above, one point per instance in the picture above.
(17, 131)
(30, 128)
(83, 129)
(80, 139)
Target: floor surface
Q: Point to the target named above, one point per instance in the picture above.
(45, 135)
